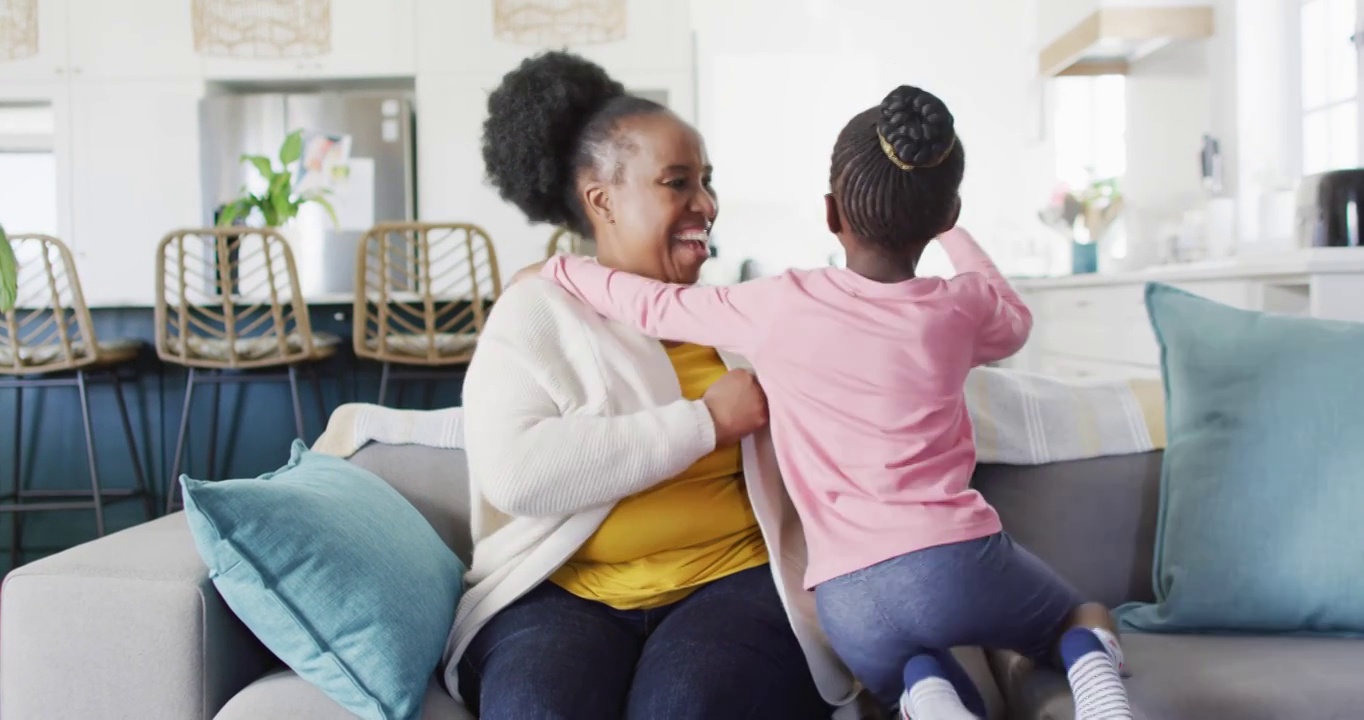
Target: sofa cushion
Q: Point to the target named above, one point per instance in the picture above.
(335, 573)
(434, 480)
(283, 694)
(1191, 677)
(1261, 488)
(1104, 551)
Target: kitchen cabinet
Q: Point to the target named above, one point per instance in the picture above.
(368, 39)
(96, 38)
(136, 144)
(1095, 327)
(149, 39)
(50, 62)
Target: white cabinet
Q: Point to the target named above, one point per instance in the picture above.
(136, 145)
(1096, 327)
(369, 38)
(50, 62)
(98, 38)
(149, 39)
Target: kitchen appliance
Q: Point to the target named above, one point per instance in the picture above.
(1329, 209)
(380, 185)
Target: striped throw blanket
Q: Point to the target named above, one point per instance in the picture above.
(1019, 419)
(1029, 419)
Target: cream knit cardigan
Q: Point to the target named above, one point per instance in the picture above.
(566, 413)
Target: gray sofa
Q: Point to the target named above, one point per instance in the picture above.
(131, 627)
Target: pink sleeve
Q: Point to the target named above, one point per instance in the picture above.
(733, 318)
(1005, 321)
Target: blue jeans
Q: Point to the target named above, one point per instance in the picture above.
(725, 651)
(989, 592)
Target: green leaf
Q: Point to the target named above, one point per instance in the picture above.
(292, 149)
(281, 187)
(9, 274)
(262, 164)
(268, 210)
(282, 209)
(233, 211)
(326, 205)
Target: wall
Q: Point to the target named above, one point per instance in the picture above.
(127, 140)
(1169, 109)
(459, 62)
(775, 86)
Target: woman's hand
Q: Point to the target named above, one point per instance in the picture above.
(738, 406)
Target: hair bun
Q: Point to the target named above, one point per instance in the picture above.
(535, 118)
(916, 128)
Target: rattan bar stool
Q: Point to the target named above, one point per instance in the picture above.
(229, 310)
(567, 242)
(47, 340)
(422, 293)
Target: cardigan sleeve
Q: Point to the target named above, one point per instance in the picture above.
(531, 456)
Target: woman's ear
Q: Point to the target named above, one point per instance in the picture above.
(831, 215)
(597, 203)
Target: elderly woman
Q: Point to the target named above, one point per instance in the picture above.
(636, 553)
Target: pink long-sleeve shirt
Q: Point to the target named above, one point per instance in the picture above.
(865, 385)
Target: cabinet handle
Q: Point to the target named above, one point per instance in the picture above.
(59, 70)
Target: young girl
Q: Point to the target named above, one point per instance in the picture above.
(864, 370)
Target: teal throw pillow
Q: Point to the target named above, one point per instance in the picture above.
(336, 573)
(1262, 487)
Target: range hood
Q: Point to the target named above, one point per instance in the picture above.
(1112, 37)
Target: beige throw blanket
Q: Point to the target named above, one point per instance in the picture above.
(1019, 419)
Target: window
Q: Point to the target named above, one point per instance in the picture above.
(1330, 85)
(28, 169)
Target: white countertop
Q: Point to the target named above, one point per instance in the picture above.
(1314, 261)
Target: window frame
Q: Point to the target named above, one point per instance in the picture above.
(1302, 112)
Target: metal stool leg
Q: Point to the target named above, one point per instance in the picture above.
(321, 402)
(383, 384)
(16, 523)
(213, 430)
(148, 503)
(298, 405)
(180, 444)
(98, 495)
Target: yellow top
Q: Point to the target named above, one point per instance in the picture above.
(659, 545)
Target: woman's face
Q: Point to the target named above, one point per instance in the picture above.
(653, 207)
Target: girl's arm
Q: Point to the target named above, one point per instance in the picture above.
(733, 318)
(526, 455)
(1005, 321)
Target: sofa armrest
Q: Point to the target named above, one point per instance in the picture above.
(127, 626)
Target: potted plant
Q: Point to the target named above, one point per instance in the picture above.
(279, 203)
(9, 274)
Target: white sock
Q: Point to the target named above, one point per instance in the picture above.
(1114, 648)
(933, 698)
(1094, 679)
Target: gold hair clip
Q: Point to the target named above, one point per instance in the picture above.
(889, 150)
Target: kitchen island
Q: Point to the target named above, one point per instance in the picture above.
(255, 425)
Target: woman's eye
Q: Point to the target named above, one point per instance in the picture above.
(706, 181)
(678, 183)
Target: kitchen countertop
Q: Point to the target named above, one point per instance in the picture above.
(1314, 261)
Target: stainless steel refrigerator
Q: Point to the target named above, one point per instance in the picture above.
(381, 186)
